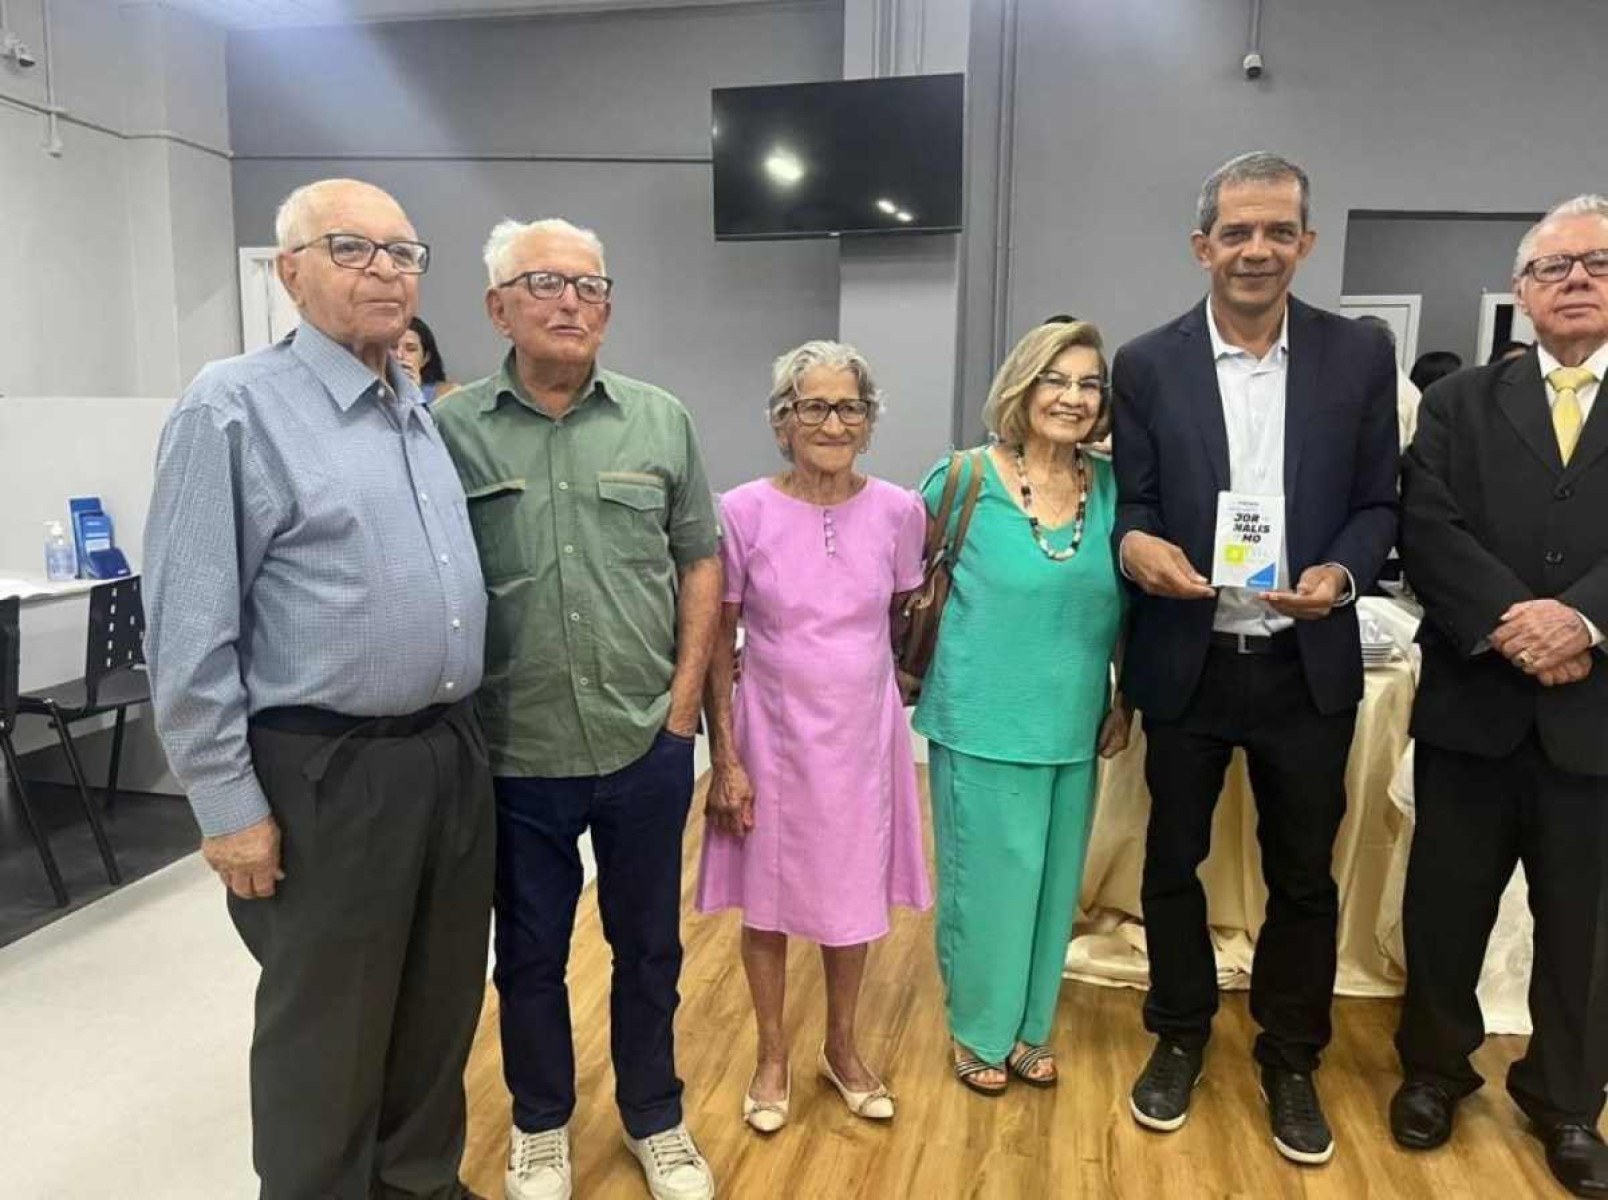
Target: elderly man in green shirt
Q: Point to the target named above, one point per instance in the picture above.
(598, 542)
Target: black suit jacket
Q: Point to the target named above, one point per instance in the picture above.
(1491, 516)
(1340, 458)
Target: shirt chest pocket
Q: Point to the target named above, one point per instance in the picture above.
(495, 514)
(631, 516)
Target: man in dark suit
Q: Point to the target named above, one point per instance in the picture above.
(1250, 392)
(1505, 539)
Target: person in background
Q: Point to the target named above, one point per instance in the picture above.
(1433, 365)
(1407, 393)
(1017, 705)
(1254, 393)
(814, 814)
(416, 350)
(316, 625)
(1503, 495)
(600, 547)
(1503, 351)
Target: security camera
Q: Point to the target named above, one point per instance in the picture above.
(1252, 65)
(17, 50)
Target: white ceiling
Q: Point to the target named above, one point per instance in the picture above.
(249, 14)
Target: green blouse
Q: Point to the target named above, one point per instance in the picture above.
(1021, 671)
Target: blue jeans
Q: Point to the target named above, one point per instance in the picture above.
(637, 816)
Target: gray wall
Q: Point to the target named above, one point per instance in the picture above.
(1112, 113)
(1449, 260)
(602, 119)
(118, 273)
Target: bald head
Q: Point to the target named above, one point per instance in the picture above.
(303, 212)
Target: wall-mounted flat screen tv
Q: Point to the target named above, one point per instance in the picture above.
(863, 156)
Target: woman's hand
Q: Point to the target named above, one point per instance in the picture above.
(1114, 729)
(730, 804)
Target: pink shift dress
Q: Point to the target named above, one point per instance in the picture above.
(817, 718)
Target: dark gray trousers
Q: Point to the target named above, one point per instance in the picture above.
(373, 956)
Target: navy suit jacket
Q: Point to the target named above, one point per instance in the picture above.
(1341, 454)
(1491, 516)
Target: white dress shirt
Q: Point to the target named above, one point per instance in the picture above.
(1253, 392)
(1597, 364)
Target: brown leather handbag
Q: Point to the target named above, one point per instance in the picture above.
(923, 608)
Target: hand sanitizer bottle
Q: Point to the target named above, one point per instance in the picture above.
(61, 562)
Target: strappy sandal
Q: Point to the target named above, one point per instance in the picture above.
(968, 1066)
(1021, 1066)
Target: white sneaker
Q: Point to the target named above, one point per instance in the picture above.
(675, 1169)
(538, 1165)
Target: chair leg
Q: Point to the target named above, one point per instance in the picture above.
(117, 758)
(41, 842)
(90, 811)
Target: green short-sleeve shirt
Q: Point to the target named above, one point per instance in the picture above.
(582, 522)
(1021, 671)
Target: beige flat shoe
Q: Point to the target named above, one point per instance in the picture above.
(767, 1116)
(875, 1105)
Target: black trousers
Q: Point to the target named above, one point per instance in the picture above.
(373, 955)
(637, 816)
(1476, 818)
(1297, 758)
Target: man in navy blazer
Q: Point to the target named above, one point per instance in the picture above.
(1251, 392)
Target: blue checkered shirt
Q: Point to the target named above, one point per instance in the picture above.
(308, 544)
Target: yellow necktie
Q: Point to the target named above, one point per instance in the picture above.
(1566, 418)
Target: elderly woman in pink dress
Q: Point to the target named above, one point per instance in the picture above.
(814, 823)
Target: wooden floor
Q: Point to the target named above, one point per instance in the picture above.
(1077, 1140)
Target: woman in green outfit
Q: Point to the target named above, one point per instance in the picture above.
(1018, 702)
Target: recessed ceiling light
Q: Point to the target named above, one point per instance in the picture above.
(887, 206)
(904, 216)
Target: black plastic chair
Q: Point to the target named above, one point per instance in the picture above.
(114, 680)
(10, 654)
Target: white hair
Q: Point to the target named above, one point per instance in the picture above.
(296, 212)
(506, 234)
(1590, 204)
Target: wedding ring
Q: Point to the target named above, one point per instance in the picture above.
(1524, 657)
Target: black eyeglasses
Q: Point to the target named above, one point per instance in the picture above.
(1555, 268)
(550, 285)
(1087, 385)
(355, 252)
(816, 412)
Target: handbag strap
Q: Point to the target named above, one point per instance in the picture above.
(968, 506)
(938, 532)
(939, 529)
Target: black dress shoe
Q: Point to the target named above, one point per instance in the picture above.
(1160, 1096)
(1578, 1158)
(1421, 1115)
(1299, 1131)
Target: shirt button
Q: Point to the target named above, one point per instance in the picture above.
(583, 681)
(575, 616)
(1554, 557)
(562, 486)
(569, 549)
(424, 497)
(443, 558)
(457, 624)
(450, 685)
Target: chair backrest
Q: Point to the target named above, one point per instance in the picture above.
(10, 655)
(116, 639)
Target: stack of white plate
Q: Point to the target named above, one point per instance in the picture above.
(1378, 648)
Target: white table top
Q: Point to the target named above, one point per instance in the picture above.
(32, 589)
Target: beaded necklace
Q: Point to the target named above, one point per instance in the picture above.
(1026, 488)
